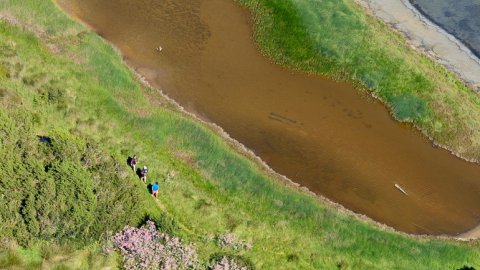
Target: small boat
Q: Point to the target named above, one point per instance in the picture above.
(401, 189)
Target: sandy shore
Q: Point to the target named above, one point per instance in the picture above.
(427, 37)
(471, 235)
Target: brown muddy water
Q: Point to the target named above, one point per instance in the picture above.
(322, 134)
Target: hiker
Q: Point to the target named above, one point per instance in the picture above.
(143, 174)
(155, 190)
(133, 162)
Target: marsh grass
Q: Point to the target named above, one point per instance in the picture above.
(218, 190)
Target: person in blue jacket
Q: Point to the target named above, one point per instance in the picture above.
(155, 190)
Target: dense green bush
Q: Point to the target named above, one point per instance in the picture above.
(59, 187)
(166, 223)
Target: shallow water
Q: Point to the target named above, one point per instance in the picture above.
(322, 134)
(461, 18)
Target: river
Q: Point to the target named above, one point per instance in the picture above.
(322, 134)
(461, 18)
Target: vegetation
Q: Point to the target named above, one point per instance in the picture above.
(339, 39)
(147, 248)
(51, 256)
(59, 187)
(64, 84)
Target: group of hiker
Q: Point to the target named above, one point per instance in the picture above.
(143, 175)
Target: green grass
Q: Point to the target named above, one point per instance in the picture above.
(50, 256)
(214, 189)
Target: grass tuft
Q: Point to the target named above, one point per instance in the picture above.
(409, 108)
(10, 259)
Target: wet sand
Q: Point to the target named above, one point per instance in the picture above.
(428, 37)
(457, 17)
(471, 235)
(322, 134)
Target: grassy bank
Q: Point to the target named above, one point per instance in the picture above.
(207, 188)
(50, 256)
(339, 39)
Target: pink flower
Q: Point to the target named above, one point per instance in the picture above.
(227, 264)
(147, 248)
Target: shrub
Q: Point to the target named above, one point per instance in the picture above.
(59, 187)
(231, 240)
(466, 268)
(221, 261)
(167, 224)
(147, 248)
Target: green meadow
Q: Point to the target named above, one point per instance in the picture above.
(72, 112)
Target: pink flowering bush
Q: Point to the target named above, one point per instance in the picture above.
(147, 248)
(231, 240)
(226, 263)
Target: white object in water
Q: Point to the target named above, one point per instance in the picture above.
(401, 189)
(159, 49)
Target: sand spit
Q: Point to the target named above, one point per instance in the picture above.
(427, 37)
(471, 235)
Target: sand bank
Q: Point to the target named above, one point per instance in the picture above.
(428, 37)
(471, 235)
